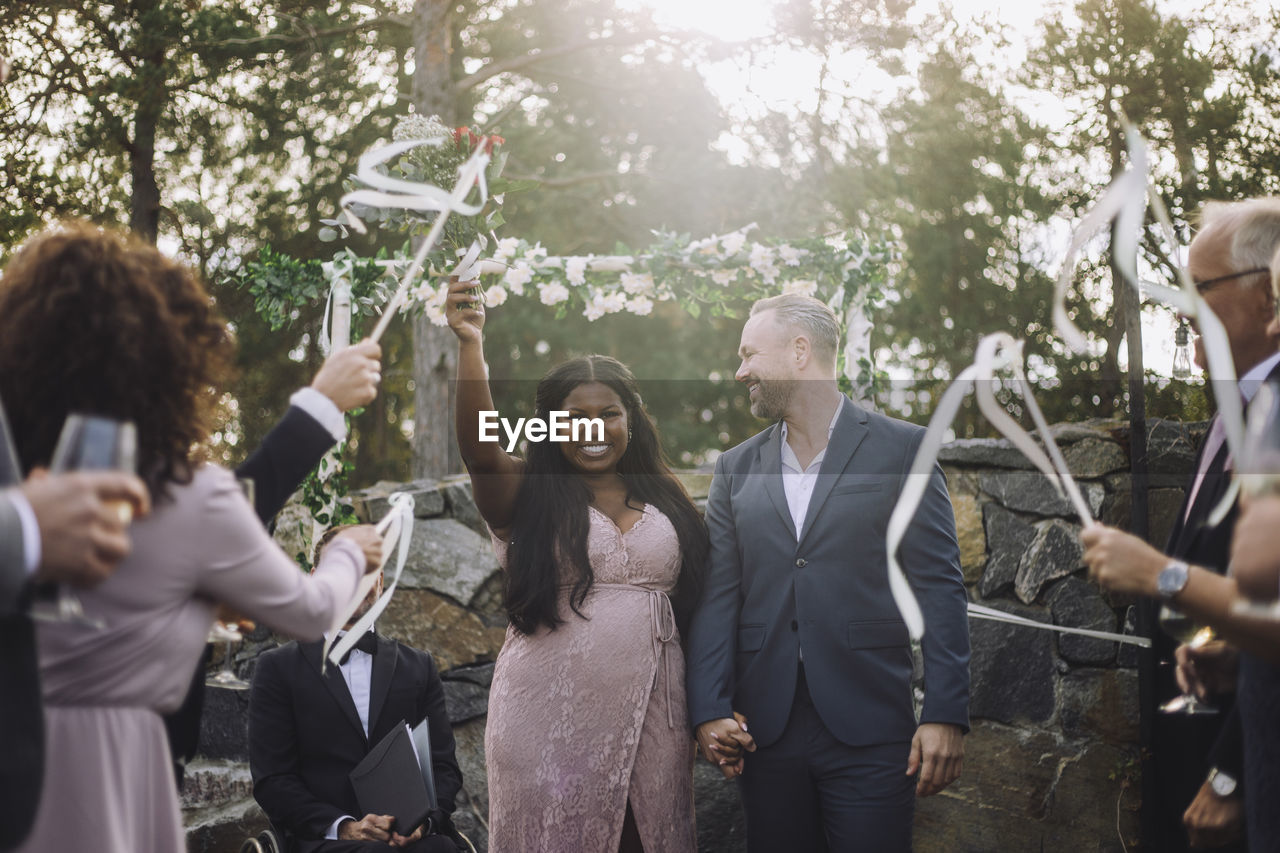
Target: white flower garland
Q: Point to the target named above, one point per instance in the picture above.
(721, 274)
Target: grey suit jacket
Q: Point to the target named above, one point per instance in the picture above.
(21, 720)
(13, 574)
(768, 594)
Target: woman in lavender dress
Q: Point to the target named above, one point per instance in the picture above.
(95, 322)
(588, 742)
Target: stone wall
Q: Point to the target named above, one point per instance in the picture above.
(1051, 763)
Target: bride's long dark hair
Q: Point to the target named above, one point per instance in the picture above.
(551, 506)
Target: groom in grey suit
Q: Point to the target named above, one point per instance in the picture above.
(797, 633)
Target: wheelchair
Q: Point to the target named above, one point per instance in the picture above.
(271, 841)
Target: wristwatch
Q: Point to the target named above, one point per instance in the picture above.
(1172, 579)
(1222, 784)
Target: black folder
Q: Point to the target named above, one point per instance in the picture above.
(389, 781)
(421, 735)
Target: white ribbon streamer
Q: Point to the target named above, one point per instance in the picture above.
(413, 195)
(995, 352)
(979, 611)
(396, 529)
(1125, 201)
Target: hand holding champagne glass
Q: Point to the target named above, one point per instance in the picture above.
(90, 443)
(1182, 628)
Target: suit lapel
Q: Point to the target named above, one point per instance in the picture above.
(851, 429)
(384, 670)
(1211, 492)
(334, 683)
(770, 466)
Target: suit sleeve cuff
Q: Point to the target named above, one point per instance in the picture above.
(30, 531)
(332, 833)
(322, 410)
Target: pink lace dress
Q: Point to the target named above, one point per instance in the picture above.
(591, 715)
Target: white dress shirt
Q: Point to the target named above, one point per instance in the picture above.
(358, 673)
(324, 410)
(798, 484)
(1256, 375)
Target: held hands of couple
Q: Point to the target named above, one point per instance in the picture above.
(937, 752)
(464, 309)
(83, 532)
(722, 743)
(350, 376)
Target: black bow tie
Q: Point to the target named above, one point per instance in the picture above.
(368, 643)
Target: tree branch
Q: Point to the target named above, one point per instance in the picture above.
(517, 63)
(573, 180)
(310, 33)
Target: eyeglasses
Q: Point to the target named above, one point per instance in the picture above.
(1208, 284)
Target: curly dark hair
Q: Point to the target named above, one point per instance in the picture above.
(99, 322)
(551, 505)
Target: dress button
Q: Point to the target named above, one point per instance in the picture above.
(794, 625)
(801, 563)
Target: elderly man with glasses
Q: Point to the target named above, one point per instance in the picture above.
(1201, 760)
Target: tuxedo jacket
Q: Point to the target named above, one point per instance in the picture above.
(305, 735)
(770, 594)
(287, 454)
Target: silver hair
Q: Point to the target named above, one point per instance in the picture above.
(1255, 229)
(811, 315)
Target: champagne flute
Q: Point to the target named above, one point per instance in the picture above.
(229, 633)
(1185, 630)
(89, 443)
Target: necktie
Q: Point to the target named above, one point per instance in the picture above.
(367, 644)
(1212, 445)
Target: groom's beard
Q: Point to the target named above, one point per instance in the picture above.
(774, 399)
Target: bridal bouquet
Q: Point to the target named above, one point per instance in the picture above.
(438, 165)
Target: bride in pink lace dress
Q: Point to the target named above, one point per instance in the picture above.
(588, 746)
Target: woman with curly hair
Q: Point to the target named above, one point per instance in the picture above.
(96, 322)
(587, 743)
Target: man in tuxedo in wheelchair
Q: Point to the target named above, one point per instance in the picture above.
(308, 731)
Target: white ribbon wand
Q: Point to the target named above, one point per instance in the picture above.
(1125, 201)
(978, 611)
(396, 528)
(995, 352)
(415, 196)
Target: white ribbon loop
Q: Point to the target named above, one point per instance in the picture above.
(411, 195)
(396, 529)
(911, 494)
(995, 352)
(469, 174)
(1126, 201)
